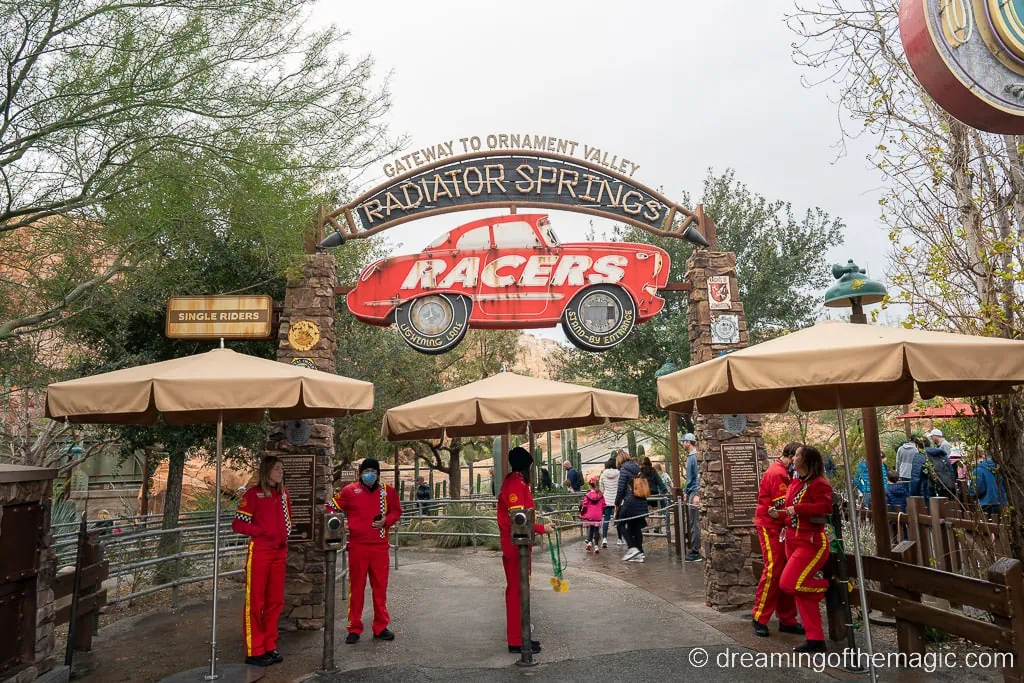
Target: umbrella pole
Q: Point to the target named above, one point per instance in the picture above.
(213, 675)
(855, 532)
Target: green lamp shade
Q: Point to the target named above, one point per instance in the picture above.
(853, 284)
(667, 369)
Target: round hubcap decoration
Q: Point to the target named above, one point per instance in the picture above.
(601, 313)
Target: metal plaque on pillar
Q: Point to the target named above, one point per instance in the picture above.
(741, 475)
(300, 480)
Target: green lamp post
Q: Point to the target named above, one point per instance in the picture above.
(854, 290)
(673, 437)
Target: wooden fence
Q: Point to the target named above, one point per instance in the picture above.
(946, 537)
(903, 583)
(78, 603)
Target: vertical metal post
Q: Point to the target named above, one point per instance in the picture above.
(332, 565)
(213, 675)
(178, 548)
(526, 651)
(855, 532)
(677, 486)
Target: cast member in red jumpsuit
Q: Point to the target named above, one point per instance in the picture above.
(371, 507)
(515, 494)
(808, 505)
(265, 516)
(769, 521)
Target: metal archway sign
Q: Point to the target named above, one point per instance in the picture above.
(499, 179)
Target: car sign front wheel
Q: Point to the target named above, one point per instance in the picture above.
(435, 323)
(599, 317)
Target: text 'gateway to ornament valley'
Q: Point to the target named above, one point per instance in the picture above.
(511, 142)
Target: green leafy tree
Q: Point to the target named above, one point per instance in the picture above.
(953, 199)
(99, 95)
(780, 266)
(401, 375)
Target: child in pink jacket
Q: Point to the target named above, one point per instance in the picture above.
(592, 513)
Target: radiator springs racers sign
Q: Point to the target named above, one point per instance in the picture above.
(512, 272)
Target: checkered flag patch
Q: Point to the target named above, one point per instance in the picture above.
(383, 506)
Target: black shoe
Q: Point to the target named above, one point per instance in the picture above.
(760, 630)
(352, 639)
(812, 646)
(694, 557)
(792, 628)
(534, 646)
(385, 635)
(275, 657)
(259, 660)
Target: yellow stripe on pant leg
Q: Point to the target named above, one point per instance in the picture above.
(248, 606)
(769, 565)
(807, 570)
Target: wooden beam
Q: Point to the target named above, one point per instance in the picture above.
(964, 590)
(989, 635)
(675, 287)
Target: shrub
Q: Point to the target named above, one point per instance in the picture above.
(460, 532)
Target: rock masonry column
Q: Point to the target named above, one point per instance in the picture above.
(307, 332)
(729, 583)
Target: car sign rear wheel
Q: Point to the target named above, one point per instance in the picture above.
(435, 323)
(599, 317)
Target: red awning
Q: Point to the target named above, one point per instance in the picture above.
(947, 409)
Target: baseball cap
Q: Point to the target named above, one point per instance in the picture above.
(935, 432)
(689, 437)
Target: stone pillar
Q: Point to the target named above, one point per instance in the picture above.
(308, 299)
(729, 582)
(20, 486)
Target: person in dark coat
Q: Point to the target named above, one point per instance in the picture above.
(573, 476)
(632, 511)
(896, 499)
(423, 494)
(989, 488)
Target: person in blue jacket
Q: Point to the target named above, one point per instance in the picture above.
(988, 487)
(862, 480)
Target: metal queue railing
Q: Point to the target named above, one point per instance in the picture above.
(140, 551)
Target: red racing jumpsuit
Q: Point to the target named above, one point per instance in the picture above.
(769, 600)
(266, 518)
(807, 549)
(515, 494)
(367, 548)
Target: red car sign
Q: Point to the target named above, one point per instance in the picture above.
(511, 272)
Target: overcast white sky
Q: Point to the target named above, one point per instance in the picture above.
(676, 87)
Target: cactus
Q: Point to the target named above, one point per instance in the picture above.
(640, 452)
(631, 443)
(478, 483)
(548, 435)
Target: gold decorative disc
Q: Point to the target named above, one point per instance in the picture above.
(303, 335)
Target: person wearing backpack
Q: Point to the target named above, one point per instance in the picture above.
(631, 501)
(655, 484)
(988, 487)
(940, 471)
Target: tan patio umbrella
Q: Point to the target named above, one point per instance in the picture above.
(836, 365)
(217, 386)
(507, 402)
